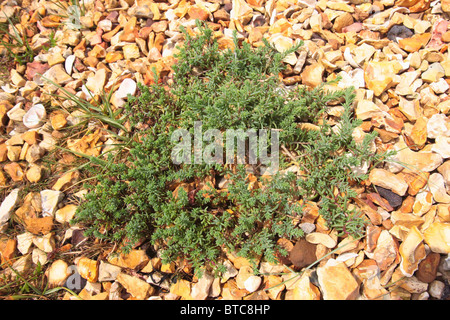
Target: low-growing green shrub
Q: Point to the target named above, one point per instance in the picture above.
(179, 207)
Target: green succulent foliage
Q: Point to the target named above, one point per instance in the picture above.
(226, 89)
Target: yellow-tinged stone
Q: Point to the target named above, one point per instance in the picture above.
(113, 56)
(312, 75)
(412, 251)
(443, 212)
(379, 76)
(275, 286)
(168, 267)
(305, 290)
(437, 236)
(337, 282)
(57, 273)
(65, 214)
(66, 180)
(340, 6)
(181, 288)
(135, 259)
(281, 26)
(88, 269)
(138, 288)
(322, 238)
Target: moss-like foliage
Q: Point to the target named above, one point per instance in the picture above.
(180, 207)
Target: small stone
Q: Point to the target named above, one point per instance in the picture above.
(14, 153)
(438, 125)
(321, 238)
(440, 86)
(8, 205)
(230, 271)
(437, 236)
(410, 284)
(68, 64)
(15, 171)
(422, 26)
(135, 259)
(379, 76)
(96, 82)
(46, 243)
(58, 120)
(87, 268)
(244, 273)
(131, 51)
(445, 171)
(445, 5)
(31, 137)
(388, 180)
(428, 268)
(406, 81)
(66, 180)
(418, 137)
(422, 203)
(385, 252)
(365, 109)
(342, 21)
(181, 288)
(113, 57)
(196, 12)
(24, 242)
(412, 252)
(17, 79)
(138, 288)
(434, 72)
(200, 290)
(337, 282)
(446, 37)
(58, 75)
(307, 227)
(16, 113)
(436, 289)
(58, 273)
(410, 44)
(39, 225)
(54, 58)
(437, 188)
(399, 31)
(442, 146)
(50, 200)
(303, 254)
(312, 75)
(221, 14)
(417, 161)
(394, 199)
(128, 86)
(159, 26)
(65, 214)
(108, 272)
(305, 290)
(252, 283)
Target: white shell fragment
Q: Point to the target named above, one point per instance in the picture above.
(34, 117)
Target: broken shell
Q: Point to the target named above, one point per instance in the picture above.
(68, 65)
(128, 86)
(348, 57)
(33, 118)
